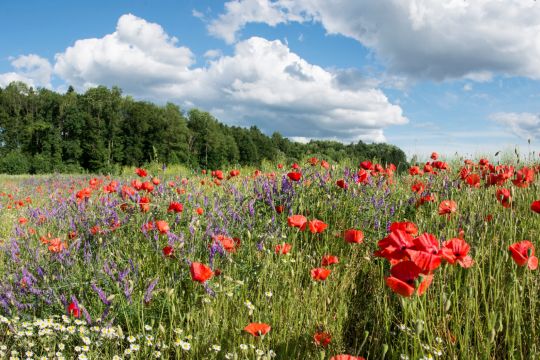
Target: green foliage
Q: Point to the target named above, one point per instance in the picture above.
(100, 131)
(14, 162)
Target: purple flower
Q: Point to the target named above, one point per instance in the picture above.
(150, 290)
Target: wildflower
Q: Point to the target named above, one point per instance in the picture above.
(162, 226)
(407, 226)
(141, 172)
(283, 249)
(403, 277)
(504, 197)
(73, 309)
(319, 274)
(200, 272)
(168, 251)
(456, 250)
(175, 207)
(354, 236)
(346, 357)
(216, 348)
(447, 207)
(329, 260)
(523, 254)
(535, 206)
(298, 221)
(322, 338)
(294, 176)
(317, 226)
(257, 329)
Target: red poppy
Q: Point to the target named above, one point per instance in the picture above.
(394, 246)
(418, 187)
(354, 236)
(283, 249)
(425, 199)
(325, 164)
(447, 207)
(322, 338)
(176, 207)
(229, 244)
(342, 184)
(504, 196)
(162, 226)
(200, 272)
(156, 181)
(415, 170)
(317, 226)
(200, 211)
(319, 274)
(295, 166)
(257, 329)
(535, 206)
(523, 254)
(403, 277)
(524, 177)
(366, 165)
(425, 253)
(457, 250)
(279, 209)
(280, 166)
(73, 309)
(294, 176)
(407, 226)
(298, 221)
(473, 180)
(329, 260)
(144, 204)
(168, 251)
(434, 155)
(234, 173)
(141, 172)
(346, 357)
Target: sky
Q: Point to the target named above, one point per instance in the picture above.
(452, 76)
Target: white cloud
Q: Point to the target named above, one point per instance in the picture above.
(139, 56)
(212, 53)
(525, 125)
(263, 83)
(435, 39)
(31, 69)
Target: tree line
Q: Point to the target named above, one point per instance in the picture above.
(43, 131)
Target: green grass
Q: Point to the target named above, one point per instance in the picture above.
(489, 311)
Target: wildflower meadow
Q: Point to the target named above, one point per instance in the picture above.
(311, 260)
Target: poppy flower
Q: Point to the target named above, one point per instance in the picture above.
(200, 211)
(73, 309)
(434, 156)
(257, 329)
(402, 279)
(168, 251)
(353, 236)
(415, 170)
(175, 207)
(156, 181)
(535, 206)
(280, 166)
(418, 187)
(294, 176)
(504, 197)
(319, 274)
(279, 208)
(229, 244)
(346, 357)
(523, 254)
(141, 172)
(457, 250)
(322, 338)
(317, 226)
(524, 177)
(394, 246)
(329, 260)
(425, 253)
(234, 173)
(325, 164)
(407, 226)
(447, 207)
(366, 165)
(473, 180)
(162, 226)
(144, 204)
(283, 249)
(56, 245)
(200, 272)
(342, 184)
(298, 221)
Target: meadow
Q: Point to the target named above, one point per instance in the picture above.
(313, 260)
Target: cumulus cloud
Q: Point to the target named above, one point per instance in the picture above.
(430, 39)
(30, 69)
(525, 125)
(139, 56)
(263, 83)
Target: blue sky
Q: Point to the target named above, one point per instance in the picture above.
(427, 75)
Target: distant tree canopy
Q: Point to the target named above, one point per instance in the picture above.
(42, 131)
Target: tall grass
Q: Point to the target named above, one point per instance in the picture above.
(489, 311)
